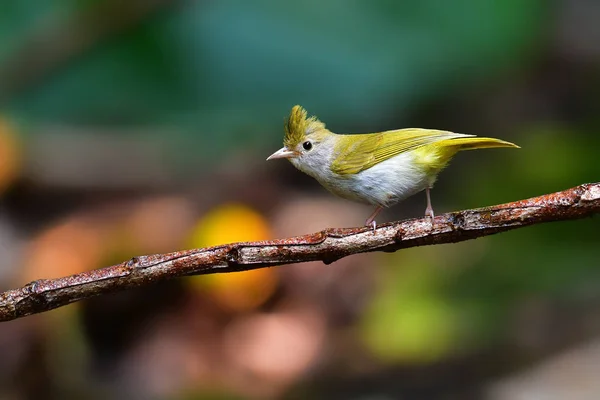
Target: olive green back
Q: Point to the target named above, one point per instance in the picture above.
(355, 153)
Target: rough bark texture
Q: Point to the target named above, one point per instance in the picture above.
(328, 246)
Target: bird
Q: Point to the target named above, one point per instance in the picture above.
(380, 169)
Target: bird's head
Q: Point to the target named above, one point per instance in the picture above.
(305, 142)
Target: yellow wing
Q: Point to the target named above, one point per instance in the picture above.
(355, 153)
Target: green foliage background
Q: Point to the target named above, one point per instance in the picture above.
(214, 79)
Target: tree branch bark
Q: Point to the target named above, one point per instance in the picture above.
(327, 246)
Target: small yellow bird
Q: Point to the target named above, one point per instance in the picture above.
(382, 168)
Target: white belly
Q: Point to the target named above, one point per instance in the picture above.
(384, 184)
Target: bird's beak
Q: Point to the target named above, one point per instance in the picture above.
(283, 153)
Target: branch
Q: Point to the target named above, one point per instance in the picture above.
(327, 246)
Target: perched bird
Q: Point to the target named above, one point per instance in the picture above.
(382, 168)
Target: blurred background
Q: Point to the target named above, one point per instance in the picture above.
(139, 127)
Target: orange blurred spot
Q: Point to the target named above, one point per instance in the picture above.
(235, 223)
(73, 246)
(10, 157)
(230, 223)
(241, 291)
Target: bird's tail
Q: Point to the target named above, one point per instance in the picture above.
(471, 143)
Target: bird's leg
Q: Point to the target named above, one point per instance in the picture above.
(371, 220)
(429, 209)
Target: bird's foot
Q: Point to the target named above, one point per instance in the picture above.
(429, 213)
(371, 220)
(429, 209)
(371, 223)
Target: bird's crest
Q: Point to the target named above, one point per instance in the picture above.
(298, 125)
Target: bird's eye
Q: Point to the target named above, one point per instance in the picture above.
(307, 145)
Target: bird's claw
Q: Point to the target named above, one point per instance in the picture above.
(429, 213)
